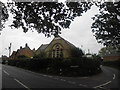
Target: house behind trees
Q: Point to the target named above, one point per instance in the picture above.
(25, 52)
(57, 48)
(110, 53)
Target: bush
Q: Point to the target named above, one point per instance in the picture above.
(12, 62)
(76, 52)
(115, 64)
(3, 61)
(73, 67)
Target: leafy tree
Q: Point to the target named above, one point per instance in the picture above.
(3, 15)
(22, 57)
(103, 51)
(50, 17)
(46, 17)
(109, 50)
(76, 53)
(106, 26)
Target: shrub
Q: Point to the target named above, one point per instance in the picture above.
(3, 61)
(12, 62)
(115, 64)
(72, 67)
(76, 52)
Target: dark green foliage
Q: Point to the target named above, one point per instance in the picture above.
(21, 63)
(106, 26)
(115, 64)
(3, 61)
(111, 49)
(96, 57)
(49, 17)
(22, 57)
(76, 53)
(58, 66)
(3, 15)
(12, 62)
(46, 17)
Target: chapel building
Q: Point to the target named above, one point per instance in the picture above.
(57, 48)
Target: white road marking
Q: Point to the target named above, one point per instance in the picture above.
(83, 85)
(22, 84)
(104, 88)
(113, 76)
(45, 75)
(62, 80)
(6, 72)
(103, 84)
(71, 82)
(50, 76)
(56, 78)
(84, 77)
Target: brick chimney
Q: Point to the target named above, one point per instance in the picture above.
(20, 47)
(26, 45)
(33, 50)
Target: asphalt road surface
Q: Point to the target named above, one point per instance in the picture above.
(0, 76)
(13, 77)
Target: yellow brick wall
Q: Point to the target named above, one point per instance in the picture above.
(66, 48)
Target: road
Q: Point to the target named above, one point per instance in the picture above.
(13, 77)
(0, 76)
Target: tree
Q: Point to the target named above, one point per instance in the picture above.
(46, 17)
(3, 15)
(109, 50)
(103, 51)
(50, 17)
(106, 26)
(76, 53)
(22, 57)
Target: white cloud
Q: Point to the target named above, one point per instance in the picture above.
(3, 1)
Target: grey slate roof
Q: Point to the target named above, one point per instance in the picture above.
(70, 43)
(43, 46)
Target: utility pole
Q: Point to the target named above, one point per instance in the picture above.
(9, 49)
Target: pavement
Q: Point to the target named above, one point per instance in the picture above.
(13, 77)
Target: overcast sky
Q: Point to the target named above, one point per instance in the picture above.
(80, 33)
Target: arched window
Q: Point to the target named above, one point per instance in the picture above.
(57, 51)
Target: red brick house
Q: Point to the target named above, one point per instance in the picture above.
(112, 57)
(26, 51)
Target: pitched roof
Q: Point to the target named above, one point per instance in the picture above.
(41, 48)
(59, 37)
(23, 51)
(44, 46)
(14, 53)
(70, 43)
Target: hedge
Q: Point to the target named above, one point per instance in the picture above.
(72, 67)
(115, 64)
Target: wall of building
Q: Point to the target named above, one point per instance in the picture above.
(66, 48)
(111, 58)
